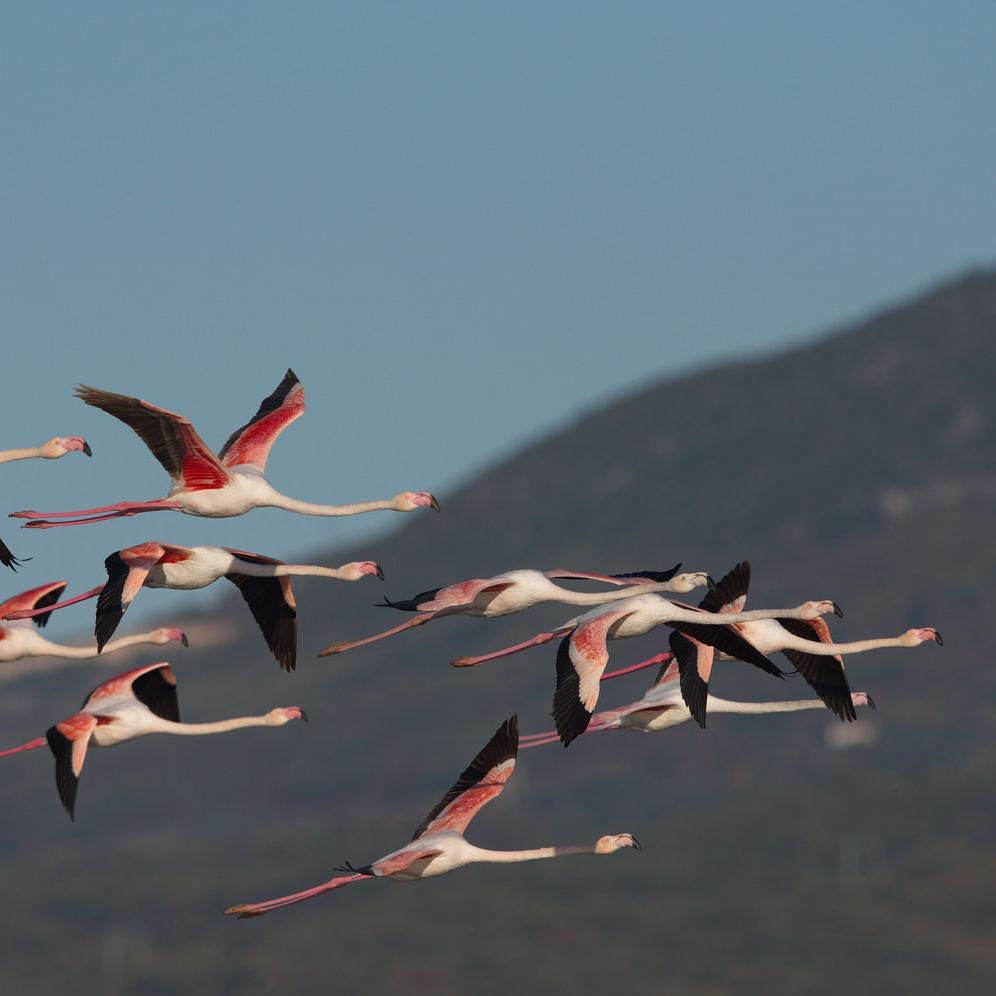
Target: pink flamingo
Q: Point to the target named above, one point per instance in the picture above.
(133, 704)
(18, 639)
(516, 591)
(806, 643)
(439, 846)
(262, 581)
(230, 483)
(662, 707)
(52, 450)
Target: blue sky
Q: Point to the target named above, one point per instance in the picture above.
(460, 223)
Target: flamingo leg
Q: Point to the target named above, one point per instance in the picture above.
(28, 613)
(121, 509)
(649, 662)
(244, 910)
(30, 745)
(533, 641)
(343, 645)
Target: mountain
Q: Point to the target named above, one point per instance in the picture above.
(860, 466)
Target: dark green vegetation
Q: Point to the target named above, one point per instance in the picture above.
(859, 468)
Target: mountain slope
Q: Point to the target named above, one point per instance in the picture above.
(858, 467)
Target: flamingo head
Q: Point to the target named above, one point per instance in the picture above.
(863, 699)
(813, 610)
(61, 445)
(689, 582)
(914, 637)
(170, 636)
(614, 841)
(284, 714)
(408, 501)
(360, 568)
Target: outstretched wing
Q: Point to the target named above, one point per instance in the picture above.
(695, 662)
(68, 742)
(154, 685)
(634, 577)
(251, 443)
(825, 675)
(174, 442)
(127, 570)
(482, 780)
(730, 594)
(581, 659)
(7, 558)
(34, 598)
(271, 602)
(457, 596)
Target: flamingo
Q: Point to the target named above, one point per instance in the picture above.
(230, 483)
(55, 448)
(18, 639)
(439, 846)
(516, 591)
(130, 705)
(806, 643)
(662, 707)
(262, 581)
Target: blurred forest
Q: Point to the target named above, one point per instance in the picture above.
(860, 466)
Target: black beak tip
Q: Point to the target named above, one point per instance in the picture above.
(304, 715)
(637, 846)
(871, 703)
(433, 503)
(837, 610)
(711, 584)
(86, 449)
(937, 639)
(184, 640)
(380, 572)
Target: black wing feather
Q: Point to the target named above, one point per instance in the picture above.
(727, 640)
(50, 599)
(268, 405)
(410, 604)
(649, 575)
(7, 558)
(110, 607)
(65, 781)
(569, 714)
(503, 746)
(730, 587)
(694, 690)
(276, 617)
(158, 694)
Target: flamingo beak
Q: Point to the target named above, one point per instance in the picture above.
(837, 610)
(380, 572)
(937, 639)
(636, 844)
(304, 715)
(433, 504)
(86, 449)
(184, 640)
(871, 702)
(710, 583)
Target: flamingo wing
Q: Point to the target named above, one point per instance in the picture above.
(154, 685)
(174, 442)
(271, 602)
(669, 672)
(581, 659)
(728, 640)
(634, 577)
(251, 443)
(127, 571)
(482, 780)
(34, 598)
(68, 742)
(694, 660)
(461, 595)
(7, 558)
(403, 860)
(730, 594)
(825, 675)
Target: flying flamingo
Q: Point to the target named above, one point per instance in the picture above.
(806, 643)
(516, 591)
(133, 704)
(439, 846)
(52, 450)
(262, 581)
(19, 640)
(662, 708)
(230, 483)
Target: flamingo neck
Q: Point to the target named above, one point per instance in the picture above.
(285, 570)
(30, 745)
(669, 611)
(43, 648)
(508, 857)
(832, 649)
(278, 500)
(202, 729)
(9, 456)
(715, 704)
(568, 597)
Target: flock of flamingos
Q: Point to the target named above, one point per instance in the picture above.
(232, 482)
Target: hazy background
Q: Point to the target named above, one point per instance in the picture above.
(465, 226)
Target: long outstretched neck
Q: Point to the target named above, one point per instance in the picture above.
(9, 456)
(46, 649)
(832, 649)
(309, 508)
(285, 570)
(201, 729)
(28, 613)
(30, 745)
(569, 597)
(714, 704)
(508, 857)
(679, 614)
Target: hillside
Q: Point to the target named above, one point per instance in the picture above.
(860, 467)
